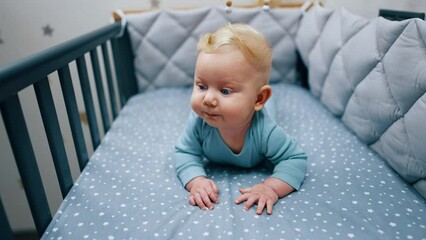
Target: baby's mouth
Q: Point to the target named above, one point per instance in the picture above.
(211, 115)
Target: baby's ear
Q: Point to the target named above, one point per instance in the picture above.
(265, 92)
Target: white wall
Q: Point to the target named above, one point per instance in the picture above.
(21, 34)
(370, 8)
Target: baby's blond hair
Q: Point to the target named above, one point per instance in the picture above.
(242, 37)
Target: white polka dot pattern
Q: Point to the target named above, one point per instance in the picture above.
(129, 189)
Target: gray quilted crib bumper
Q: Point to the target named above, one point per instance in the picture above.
(361, 123)
(372, 74)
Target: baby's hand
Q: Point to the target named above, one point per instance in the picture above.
(203, 192)
(261, 194)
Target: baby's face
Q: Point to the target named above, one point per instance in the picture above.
(225, 90)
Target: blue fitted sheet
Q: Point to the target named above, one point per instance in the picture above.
(129, 189)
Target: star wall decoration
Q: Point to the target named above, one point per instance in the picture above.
(47, 30)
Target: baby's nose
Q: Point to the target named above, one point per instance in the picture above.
(210, 99)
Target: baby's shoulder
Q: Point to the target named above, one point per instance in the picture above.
(265, 129)
(263, 122)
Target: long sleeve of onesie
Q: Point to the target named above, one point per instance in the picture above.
(265, 140)
(189, 152)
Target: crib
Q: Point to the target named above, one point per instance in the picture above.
(128, 188)
(33, 71)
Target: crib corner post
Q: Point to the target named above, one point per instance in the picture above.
(125, 72)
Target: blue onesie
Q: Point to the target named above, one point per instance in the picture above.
(264, 140)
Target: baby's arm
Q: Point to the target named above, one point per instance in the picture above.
(190, 169)
(265, 194)
(203, 192)
(288, 174)
(280, 187)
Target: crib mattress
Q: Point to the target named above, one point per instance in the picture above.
(129, 189)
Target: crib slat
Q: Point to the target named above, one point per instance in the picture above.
(6, 231)
(88, 101)
(53, 133)
(108, 74)
(73, 116)
(26, 162)
(123, 58)
(118, 69)
(100, 89)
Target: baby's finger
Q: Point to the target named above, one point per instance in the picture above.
(245, 190)
(242, 198)
(213, 197)
(250, 201)
(260, 205)
(199, 201)
(213, 184)
(191, 200)
(269, 205)
(214, 193)
(206, 200)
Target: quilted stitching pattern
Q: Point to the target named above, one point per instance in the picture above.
(373, 99)
(340, 27)
(310, 29)
(164, 42)
(372, 74)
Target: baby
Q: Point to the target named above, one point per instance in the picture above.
(229, 125)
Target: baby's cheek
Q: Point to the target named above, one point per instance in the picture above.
(195, 102)
(197, 107)
(238, 112)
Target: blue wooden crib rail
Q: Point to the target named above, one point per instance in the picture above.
(34, 71)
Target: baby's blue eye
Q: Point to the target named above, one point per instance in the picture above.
(202, 87)
(225, 91)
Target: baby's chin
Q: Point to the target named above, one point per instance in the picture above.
(212, 122)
